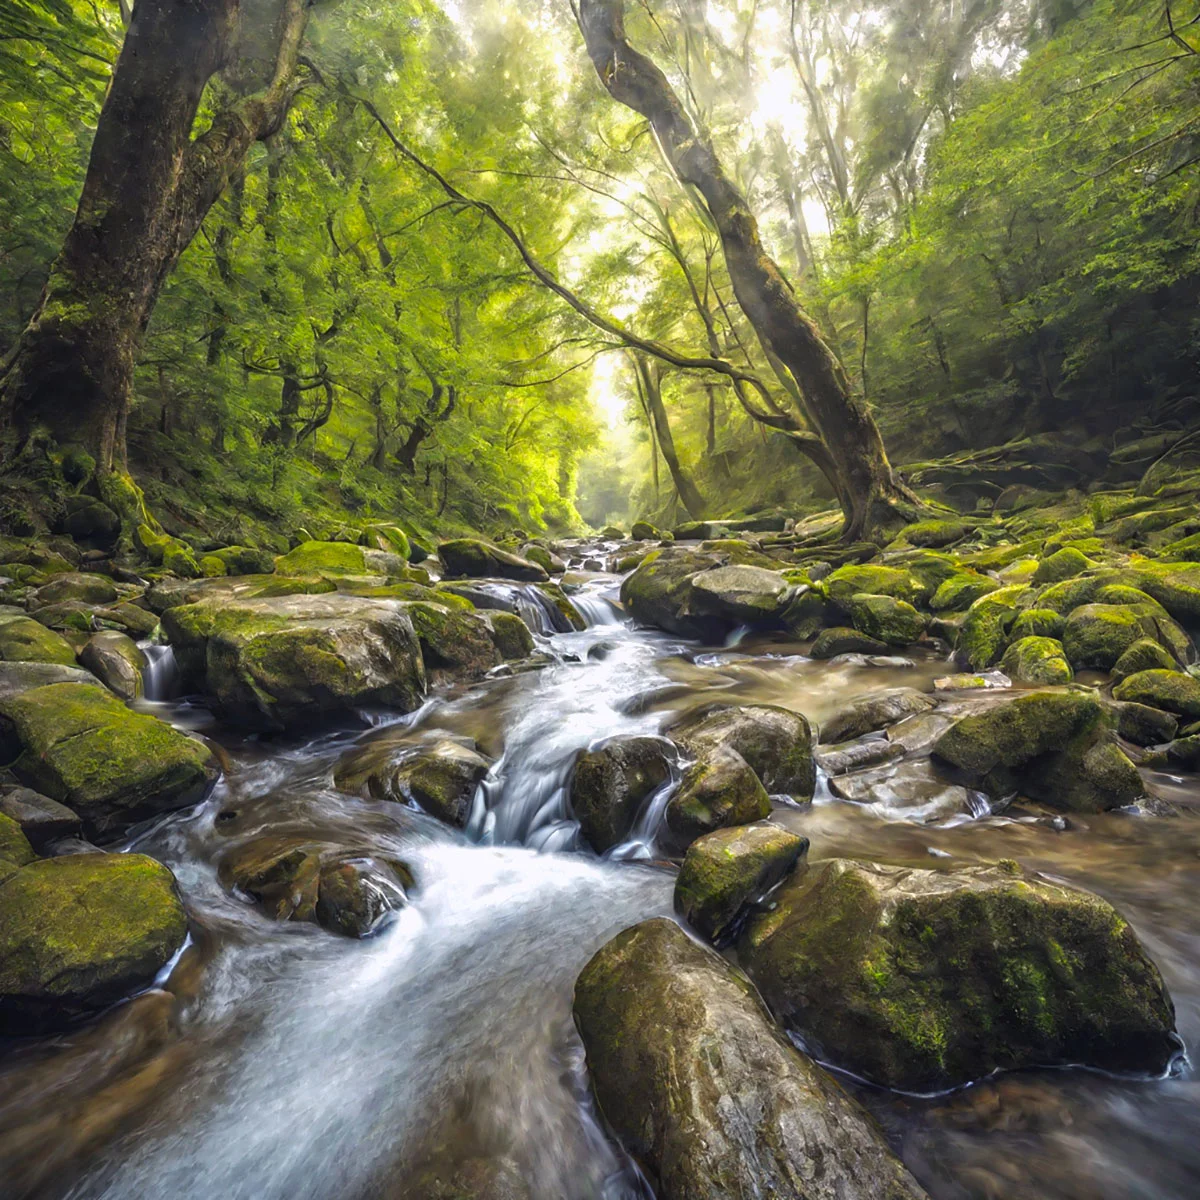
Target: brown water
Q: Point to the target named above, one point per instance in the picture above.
(278, 1061)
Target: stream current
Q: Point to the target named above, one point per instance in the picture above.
(276, 1060)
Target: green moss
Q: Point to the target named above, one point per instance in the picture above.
(960, 591)
(872, 580)
(245, 560)
(1170, 690)
(1036, 660)
(986, 626)
(323, 558)
(14, 845)
(889, 620)
(1063, 564)
(1001, 556)
(933, 533)
(211, 567)
(1096, 635)
(1143, 655)
(718, 791)
(387, 537)
(1037, 622)
(23, 639)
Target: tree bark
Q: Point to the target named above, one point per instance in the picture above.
(148, 188)
(649, 381)
(873, 499)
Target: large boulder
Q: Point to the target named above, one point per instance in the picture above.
(18, 677)
(1056, 747)
(925, 980)
(726, 871)
(1037, 660)
(776, 743)
(23, 639)
(659, 593)
(874, 712)
(321, 558)
(839, 639)
(612, 782)
(467, 557)
(84, 586)
(1173, 691)
(985, 628)
(1096, 635)
(717, 791)
(873, 580)
(885, 618)
(116, 661)
(740, 593)
(277, 661)
(706, 1094)
(78, 744)
(79, 933)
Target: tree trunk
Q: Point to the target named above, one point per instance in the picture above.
(649, 381)
(148, 187)
(873, 499)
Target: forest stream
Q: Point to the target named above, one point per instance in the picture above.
(276, 1061)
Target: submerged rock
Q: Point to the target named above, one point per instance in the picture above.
(725, 871)
(874, 712)
(473, 559)
(706, 1094)
(840, 640)
(612, 782)
(924, 980)
(79, 933)
(440, 778)
(78, 744)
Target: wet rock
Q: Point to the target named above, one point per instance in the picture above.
(1145, 726)
(116, 661)
(272, 662)
(80, 745)
(885, 619)
(571, 617)
(718, 791)
(775, 742)
(874, 712)
(1184, 753)
(1062, 564)
(706, 1094)
(985, 628)
(912, 789)
(739, 594)
(83, 586)
(840, 640)
(480, 560)
(612, 782)
(550, 563)
(965, 681)
(509, 634)
(469, 1179)
(355, 898)
(725, 871)
(23, 639)
(1037, 660)
(1096, 635)
(1143, 655)
(127, 618)
(40, 819)
(924, 980)
(853, 756)
(659, 593)
(67, 616)
(440, 778)
(81, 932)
(1172, 691)
(1050, 746)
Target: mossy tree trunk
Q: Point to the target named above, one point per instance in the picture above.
(873, 498)
(649, 383)
(148, 188)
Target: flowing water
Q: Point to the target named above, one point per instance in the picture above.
(276, 1060)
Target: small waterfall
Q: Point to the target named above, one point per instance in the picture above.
(526, 601)
(596, 609)
(161, 676)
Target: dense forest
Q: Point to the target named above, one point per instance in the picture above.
(599, 599)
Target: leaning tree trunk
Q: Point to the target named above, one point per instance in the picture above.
(873, 498)
(649, 385)
(148, 187)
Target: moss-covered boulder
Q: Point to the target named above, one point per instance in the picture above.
(1143, 725)
(776, 743)
(15, 850)
(1056, 747)
(717, 791)
(1096, 635)
(1174, 691)
(1036, 660)
(659, 593)
(81, 932)
(706, 1094)
(934, 534)
(924, 980)
(886, 619)
(76, 585)
(960, 591)
(550, 563)
(273, 662)
(874, 712)
(116, 661)
(644, 531)
(611, 783)
(985, 629)
(23, 639)
(571, 617)
(389, 538)
(80, 745)
(473, 559)
(725, 872)
(440, 778)
(1063, 564)
(839, 639)
(873, 580)
(323, 558)
(1037, 622)
(245, 560)
(460, 645)
(739, 594)
(1143, 655)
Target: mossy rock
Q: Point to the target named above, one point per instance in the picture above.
(473, 559)
(1063, 597)
(659, 593)
(390, 538)
(872, 580)
(985, 629)
(643, 531)
(81, 746)
(440, 778)
(886, 619)
(1173, 691)
(724, 872)
(999, 557)
(15, 850)
(1037, 622)
(245, 560)
(706, 1094)
(510, 635)
(86, 587)
(117, 661)
(933, 534)
(544, 559)
(81, 932)
(323, 558)
(611, 783)
(804, 611)
(718, 791)
(739, 593)
(1143, 655)
(1036, 660)
(572, 618)
(840, 639)
(460, 645)
(1096, 635)
(212, 567)
(1145, 726)
(925, 980)
(23, 639)
(960, 591)
(1062, 564)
